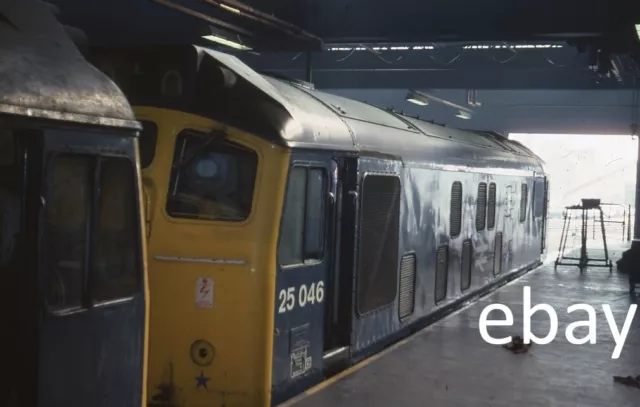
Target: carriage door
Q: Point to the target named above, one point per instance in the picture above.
(93, 310)
(344, 178)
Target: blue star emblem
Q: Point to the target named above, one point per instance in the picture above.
(202, 380)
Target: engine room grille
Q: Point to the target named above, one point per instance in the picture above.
(377, 278)
(455, 220)
(497, 254)
(407, 285)
(491, 207)
(467, 257)
(481, 206)
(442, 268)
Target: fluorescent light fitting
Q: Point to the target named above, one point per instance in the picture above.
(463, 115)
(638, 30)
(229, 8)
(226, 42)
(417, 99)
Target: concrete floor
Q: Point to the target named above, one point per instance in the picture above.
(449, 364)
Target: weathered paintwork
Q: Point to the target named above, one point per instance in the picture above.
(94, 356)
(424, 226)
(43, 74)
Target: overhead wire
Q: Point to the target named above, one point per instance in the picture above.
(345, 58)
(515, 53)
(511, 58)
(449, 62)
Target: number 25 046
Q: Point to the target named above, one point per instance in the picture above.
(288, 297)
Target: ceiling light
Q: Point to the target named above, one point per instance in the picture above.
(417, 99)
(226, 42)
(638, 30)
(229, 8)
(463, 115)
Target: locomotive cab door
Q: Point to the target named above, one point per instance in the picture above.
(338, 315)
(304, 262)
(71, 258)
(92, 271)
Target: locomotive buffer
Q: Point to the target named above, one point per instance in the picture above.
(584, 260)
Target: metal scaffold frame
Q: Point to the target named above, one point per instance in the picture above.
(584, 260)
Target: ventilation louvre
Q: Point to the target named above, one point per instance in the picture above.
(407, 286)
(481, 206)
(497, 254)
(377, 279)
(524, 194)
(455, 220)
(442, 268)
(465, 272)
(491, 207)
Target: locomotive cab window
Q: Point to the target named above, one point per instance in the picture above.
(212, 178)
(302, 231)
(90, 231)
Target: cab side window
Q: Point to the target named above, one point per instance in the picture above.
(66, 220)
(91, 231)
(115, 270)
(302, 232)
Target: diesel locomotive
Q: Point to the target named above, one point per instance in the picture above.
(72, 243)
(291, 231)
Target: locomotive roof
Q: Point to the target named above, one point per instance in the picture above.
(324, 120)
(220, 86)
(43, 74)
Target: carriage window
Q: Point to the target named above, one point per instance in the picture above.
(66, 218)
(147, 142)
(302, 231)
(212, 178)
(115, 272)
